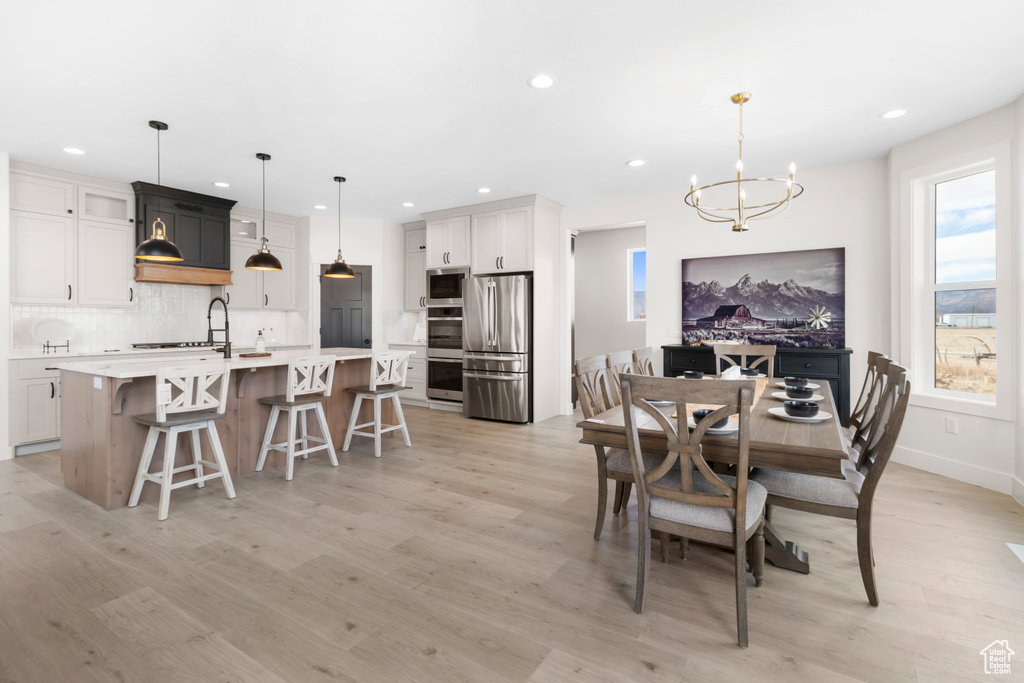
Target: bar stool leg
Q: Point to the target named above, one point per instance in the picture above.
(305, 435)
(197, 454)
(376, 425)
(352, 422)
(289, 467)
(147, 459)
(165, 482)
(267, 436)
(401, 420)
(322, 420)
(218, 456)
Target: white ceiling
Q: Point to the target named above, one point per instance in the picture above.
(425, 101)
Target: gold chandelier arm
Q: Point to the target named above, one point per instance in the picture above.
(711, 217)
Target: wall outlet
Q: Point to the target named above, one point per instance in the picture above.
(97, 382)
(951, 425)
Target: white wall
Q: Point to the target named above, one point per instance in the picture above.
(1017, 483)
(6, 452)
(365, 242)
(983, 450)
(603, 292)
(843, 206)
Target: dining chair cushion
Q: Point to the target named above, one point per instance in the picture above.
(813, 489)
(703, 516)
(617, 460)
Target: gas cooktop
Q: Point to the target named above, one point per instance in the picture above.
(173, 345)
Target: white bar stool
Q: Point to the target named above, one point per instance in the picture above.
(387, 378)
(309, 383)
(188, 399)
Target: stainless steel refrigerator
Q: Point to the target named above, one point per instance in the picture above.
(497, 335)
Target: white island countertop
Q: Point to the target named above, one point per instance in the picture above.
(147, 367)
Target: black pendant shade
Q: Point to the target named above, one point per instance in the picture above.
(263, 259)
(339, 268)
(158, 247)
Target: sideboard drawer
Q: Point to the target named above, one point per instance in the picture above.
(794, 365)
(678, 361)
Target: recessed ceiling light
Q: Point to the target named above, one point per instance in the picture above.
(219, 184)
(483, 190)
(407, 204)
(894, 114)
(320, 206)
(635, 162)
(73, 150)
(541, 81)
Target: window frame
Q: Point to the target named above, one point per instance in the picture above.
(918, 286)
(630, 316)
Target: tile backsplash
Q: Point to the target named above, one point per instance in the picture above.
(159, 313)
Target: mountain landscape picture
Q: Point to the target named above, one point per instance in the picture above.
(766, 298)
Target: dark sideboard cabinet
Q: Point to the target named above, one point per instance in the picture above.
(832, 365)
(199, 224)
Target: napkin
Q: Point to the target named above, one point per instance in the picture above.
(732, 372)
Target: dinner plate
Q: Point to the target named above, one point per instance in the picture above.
(781, 395)
(809, 385)
(53, 331)
(780, 413)
(661, 404)
(731, 429)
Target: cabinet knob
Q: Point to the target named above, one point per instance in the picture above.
(807, 365)
(70, 211)
(693, 361)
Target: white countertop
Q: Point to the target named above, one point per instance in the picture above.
(114, 353)
(130, 368)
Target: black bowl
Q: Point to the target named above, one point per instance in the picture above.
(799, 392)
(693, 374)
(801, 409)
(796, 381)
(750, 372)
(701, 413)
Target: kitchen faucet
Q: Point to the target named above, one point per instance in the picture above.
(225, 330)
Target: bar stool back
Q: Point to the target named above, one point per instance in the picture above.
(188, 399)
(309, 383)
(387, 378)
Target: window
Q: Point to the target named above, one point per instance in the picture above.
(958, 285)
(636, 277)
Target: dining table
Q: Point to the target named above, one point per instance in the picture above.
(813, 448)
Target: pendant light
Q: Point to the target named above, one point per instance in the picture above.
(263, 259)
(158, 247)
(339, 268)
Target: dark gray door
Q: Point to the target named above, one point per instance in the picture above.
(345, 314)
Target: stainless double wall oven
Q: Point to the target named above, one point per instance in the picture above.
(444, 333)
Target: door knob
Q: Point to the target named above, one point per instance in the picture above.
(366, 341)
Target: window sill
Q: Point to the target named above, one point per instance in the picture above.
(964, 406)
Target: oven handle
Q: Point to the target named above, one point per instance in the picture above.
(500, 378)
(444, 360)
(443, 319)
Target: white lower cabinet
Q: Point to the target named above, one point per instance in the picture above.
(416, 375)
(35, 404)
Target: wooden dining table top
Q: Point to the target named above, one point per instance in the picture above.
(807, 448)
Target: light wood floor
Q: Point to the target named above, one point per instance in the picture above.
(470, 557)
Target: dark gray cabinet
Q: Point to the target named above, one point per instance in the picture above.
(831, 365)
(199, 224)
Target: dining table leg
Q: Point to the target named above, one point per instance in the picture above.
(782, 553)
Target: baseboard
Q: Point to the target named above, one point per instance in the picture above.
(445, 405)
(39, 447)
(1017, 490)
(971, 474)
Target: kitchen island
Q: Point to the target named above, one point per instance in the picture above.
(101, 444)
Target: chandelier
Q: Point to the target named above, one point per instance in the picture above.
(741, 213)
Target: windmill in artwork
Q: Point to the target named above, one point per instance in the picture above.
(819, 319)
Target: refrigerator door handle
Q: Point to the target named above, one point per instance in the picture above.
(471, 356)
(494, 314)
(500, 378)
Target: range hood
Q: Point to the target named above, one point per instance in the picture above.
(199, 224)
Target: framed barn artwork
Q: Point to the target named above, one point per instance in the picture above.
(789, 298)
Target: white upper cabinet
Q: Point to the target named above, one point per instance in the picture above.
(42, 258)
(415, 240)
(106, 253)
(109, 206)
(279, 285)
(257, 289)
(415, 281)
(42, 195)
(503, 241)
(448, 242)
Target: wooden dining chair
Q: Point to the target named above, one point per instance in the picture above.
(643, 361)
(699, 504)
(867, 407)
(761, 354)
(852, 497)
(619, 362)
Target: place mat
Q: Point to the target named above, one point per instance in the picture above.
(761, 383)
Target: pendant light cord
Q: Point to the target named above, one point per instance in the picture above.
(339, 218)
(264, 198)
(158, 156)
